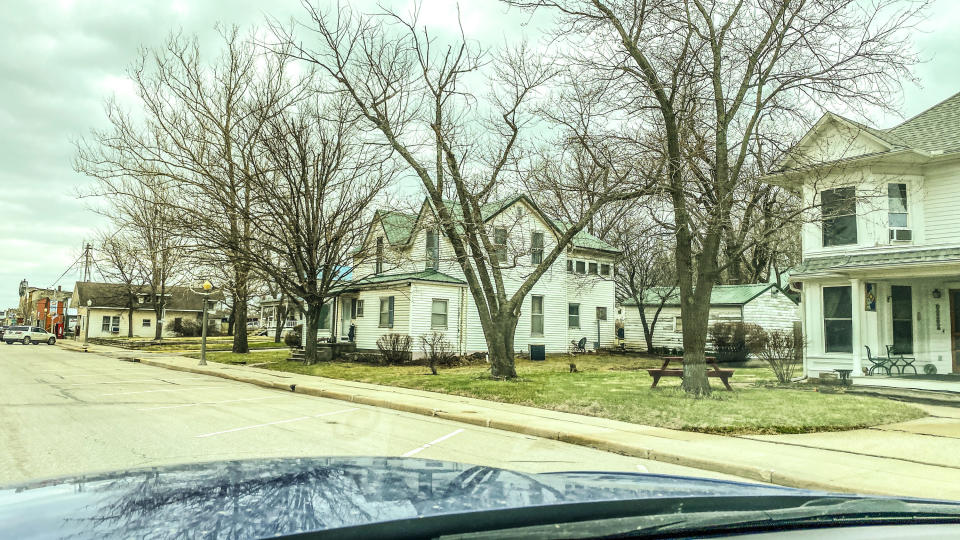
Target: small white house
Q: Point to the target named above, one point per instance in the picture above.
(881, 255)
(415, 286)
(763, 304)
(109, 313)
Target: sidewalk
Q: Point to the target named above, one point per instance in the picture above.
(882, 460)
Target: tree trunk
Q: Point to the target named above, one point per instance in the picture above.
(240, 298)
(647, 332)
(310, 333)
(280, 314)
(232, 319)
(696, 315)
(158, 331)
(130, 321)
(499, 339)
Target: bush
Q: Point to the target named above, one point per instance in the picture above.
(782, 351)
(732, 341)
(292, 338)
(192, 328)
(437, 350)
(395, 348)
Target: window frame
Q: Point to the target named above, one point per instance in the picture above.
(378, 262)
(500, 247)
(390, 303)
(605, 269)
(145, 323)
(678, 324)
(582, 267)
(828, 222)
(536, 248)
(601, 310)
(356, 308)
(433, 313)
(432, 252)
(901, 188)
(823, 312)
(570, 316)
(536, 315)
(569, 266)
(593, 268)
(105, 325)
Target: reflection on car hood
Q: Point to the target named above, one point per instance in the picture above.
(258, 498)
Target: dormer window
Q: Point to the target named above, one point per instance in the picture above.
(839, 210)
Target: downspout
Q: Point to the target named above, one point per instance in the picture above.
(463, 321)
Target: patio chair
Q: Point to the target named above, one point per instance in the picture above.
(579, 346)
(877, 362)
(902, 362)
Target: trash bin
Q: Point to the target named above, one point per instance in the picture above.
(538, 352)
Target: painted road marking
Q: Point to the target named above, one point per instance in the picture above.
(274, 423)
(153, 391)
(431, 443)
(207, 403)
(169, 381)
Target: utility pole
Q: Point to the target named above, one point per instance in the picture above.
(86, 262)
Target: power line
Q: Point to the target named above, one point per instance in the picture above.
(65, 271)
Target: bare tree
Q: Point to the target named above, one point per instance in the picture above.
(416, 92)
(645, 271)
(118, 261)
(316, 178)
(717, 78)
(198, 122)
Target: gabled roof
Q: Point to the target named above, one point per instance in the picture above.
(721, 295)
(399, 227)
(431, 276)
(116, 295)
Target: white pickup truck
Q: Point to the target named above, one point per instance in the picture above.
(28, 335)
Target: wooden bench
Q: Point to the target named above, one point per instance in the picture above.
(722, 374)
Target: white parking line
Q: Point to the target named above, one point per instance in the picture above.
(431, 443)
(138, 380)
(274, 423)
(153, 391)
(207, 403)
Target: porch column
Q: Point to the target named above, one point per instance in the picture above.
(856, 315)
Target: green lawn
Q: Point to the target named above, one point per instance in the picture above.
(618, 387)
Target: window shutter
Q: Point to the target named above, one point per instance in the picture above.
(391, 311)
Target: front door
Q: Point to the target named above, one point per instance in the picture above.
(902, 315)
(955, 329)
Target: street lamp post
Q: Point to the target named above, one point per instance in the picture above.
(86, 325)
(203, 340)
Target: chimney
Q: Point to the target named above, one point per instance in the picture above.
(59, 288)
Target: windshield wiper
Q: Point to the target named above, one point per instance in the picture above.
(656, 515)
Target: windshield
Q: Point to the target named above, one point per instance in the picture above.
(634, 245)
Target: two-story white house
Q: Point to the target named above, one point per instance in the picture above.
(413, 285)
(881, 252)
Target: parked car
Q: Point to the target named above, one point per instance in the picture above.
(28, 335)
(2, 330)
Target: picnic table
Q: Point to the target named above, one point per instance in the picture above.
(723, 374)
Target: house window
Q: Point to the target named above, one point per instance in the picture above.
(324, 317)
(901, 300)
(604, 269)
(593, 268)
(536, 316)
(678, 324)
(115, 324)
(500, 244)
(145, 323)
(601, 313)
(386, 312)
(536, 248)
(581, 267)
(379, 263)
(839, 209)
(897, 197)
(140, 299)
(573, 315)
(569, 266)
(837, 320)
(105, 327)
(433, 250)
(438, 314)
(356, 308)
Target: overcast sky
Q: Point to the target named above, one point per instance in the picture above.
(61, 58)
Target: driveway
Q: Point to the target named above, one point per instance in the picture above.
(64, 412)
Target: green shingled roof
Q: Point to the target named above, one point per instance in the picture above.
(893, 257)
(722, 295)
(424, 275)
(396, 225)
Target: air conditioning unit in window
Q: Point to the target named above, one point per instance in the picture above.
(115, 330)
(901, 235)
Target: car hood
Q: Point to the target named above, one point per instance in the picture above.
(270, 497)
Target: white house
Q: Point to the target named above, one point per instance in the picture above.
(881, 255)
(763, 304)
(415, 286)
(109, 314)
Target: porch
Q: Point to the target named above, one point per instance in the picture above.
(907, 319)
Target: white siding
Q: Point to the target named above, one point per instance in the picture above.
(940, 201)
(368, 327)
(772, 311)
(421, 305)
(97, 315)
(664, 333)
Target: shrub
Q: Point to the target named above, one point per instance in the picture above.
(395, 348)
(782, 351)
(732, 341)
(437, 350)
(292, 338)
(192, 328)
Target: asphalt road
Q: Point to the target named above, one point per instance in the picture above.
(65, 412)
